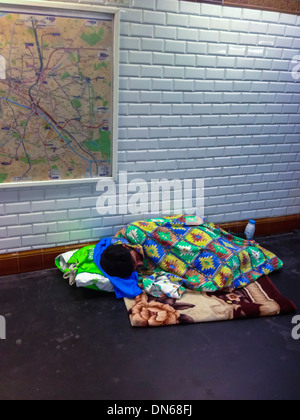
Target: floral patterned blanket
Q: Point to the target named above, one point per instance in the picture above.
(255, 300)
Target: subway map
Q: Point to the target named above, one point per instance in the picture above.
(55, 97)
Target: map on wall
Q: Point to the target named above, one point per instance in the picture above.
(55, 97)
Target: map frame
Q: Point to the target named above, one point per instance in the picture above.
(85, 11)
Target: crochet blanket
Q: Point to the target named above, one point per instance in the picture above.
(197, 255)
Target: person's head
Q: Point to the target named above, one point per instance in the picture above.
(117, 260)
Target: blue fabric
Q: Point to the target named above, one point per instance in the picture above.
(127, 287)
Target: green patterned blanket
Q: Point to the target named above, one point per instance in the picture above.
(197, 255)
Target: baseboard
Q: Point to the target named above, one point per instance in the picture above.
(33, 260)
(267, 226)
(41, 259)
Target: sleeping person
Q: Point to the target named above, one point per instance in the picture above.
(163, 256)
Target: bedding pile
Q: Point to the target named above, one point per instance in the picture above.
(188, 264)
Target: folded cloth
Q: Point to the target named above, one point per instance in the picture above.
(124, 287)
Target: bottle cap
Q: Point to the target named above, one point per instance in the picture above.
(252, 221)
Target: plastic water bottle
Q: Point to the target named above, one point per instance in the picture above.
(250, 229)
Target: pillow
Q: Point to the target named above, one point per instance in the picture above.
(79, 268)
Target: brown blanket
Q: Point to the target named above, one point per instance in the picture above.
(260, 298)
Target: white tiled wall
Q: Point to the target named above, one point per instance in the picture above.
(205, 92)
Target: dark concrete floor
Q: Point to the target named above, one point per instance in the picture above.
(73, 343)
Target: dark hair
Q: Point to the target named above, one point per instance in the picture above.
(117, 261)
